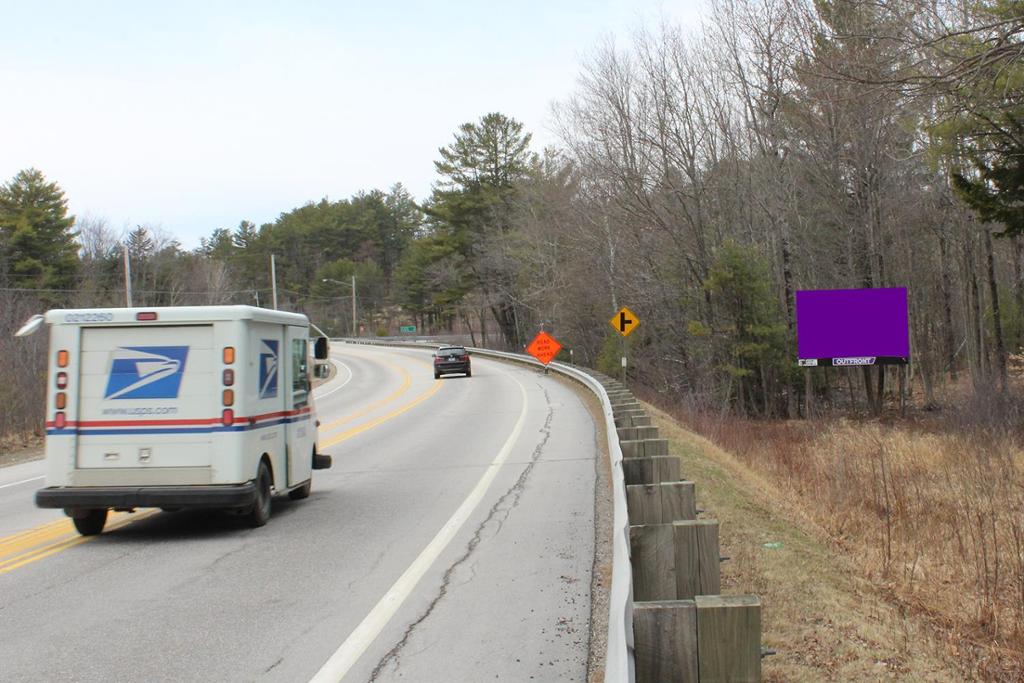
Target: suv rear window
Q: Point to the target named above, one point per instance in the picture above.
(451, 351)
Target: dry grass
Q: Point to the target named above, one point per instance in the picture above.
(932, 519)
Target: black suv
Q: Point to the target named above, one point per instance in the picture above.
(450, 359)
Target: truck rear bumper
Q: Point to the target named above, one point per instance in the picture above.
(214, 496)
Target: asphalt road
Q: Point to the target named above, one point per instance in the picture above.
(453, 540)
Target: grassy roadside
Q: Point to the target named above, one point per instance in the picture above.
(825, 621)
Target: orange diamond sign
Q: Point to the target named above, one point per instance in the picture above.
(544, 347)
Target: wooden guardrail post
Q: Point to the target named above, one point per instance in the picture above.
(728, 638)
(642, 448)
(665, 637)
(661, 503)
(624, 412)
(632, 421)
(632, 433)
(697, 560)
(624, 402)
(653, 470)
(675, 561)
(652, 556)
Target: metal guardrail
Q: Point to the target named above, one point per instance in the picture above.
(619, 667)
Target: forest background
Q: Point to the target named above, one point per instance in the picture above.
(701, 179)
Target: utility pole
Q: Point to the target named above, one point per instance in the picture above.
(273, 279)
(354, 332)
(127, 277)
(353, 286)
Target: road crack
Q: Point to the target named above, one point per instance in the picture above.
(498, 513)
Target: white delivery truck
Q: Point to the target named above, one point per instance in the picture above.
(178, 407)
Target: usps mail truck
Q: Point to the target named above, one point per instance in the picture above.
(179, 407)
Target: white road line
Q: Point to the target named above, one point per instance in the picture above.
(340, 386)
(23, 481)
(345, 657)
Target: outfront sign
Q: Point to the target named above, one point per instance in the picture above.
(852, 327)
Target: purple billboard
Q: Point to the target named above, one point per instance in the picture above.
(852, 326)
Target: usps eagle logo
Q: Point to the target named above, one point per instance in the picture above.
(268, 368)
(146, 372)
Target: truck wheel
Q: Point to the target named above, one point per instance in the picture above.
(302, 491)
(90, 522)
(260, 512)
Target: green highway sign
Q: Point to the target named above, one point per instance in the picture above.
(407, 328)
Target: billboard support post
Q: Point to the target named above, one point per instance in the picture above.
(808, 394)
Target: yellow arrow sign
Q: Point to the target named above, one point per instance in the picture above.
(624, 321)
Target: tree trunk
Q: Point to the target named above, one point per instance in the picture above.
(997, 322)
(469, 325)
(787, 280)
(1018, 289)
(947, 305)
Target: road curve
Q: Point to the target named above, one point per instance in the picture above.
(453, 540)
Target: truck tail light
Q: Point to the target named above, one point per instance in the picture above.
(228, 377)
(228, 397)
(62, 359)
(145, 315)
(61, 400)
(227, 418)
(59, 421)
(62, 380)
(229, 355)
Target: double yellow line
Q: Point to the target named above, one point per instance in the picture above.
(25, 547)
(34, 544)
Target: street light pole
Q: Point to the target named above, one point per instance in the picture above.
(353, 286)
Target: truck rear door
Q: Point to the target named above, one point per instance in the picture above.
(301, 428)
(147, 397)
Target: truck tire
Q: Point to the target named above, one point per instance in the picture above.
(260, 512)
(90, 522)
(302, 491)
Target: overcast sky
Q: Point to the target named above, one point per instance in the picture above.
(196, 115)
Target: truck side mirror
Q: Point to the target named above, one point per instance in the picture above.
(30, 326)
(320, 348)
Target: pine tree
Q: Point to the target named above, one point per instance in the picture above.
(37, 243)
(474, 204)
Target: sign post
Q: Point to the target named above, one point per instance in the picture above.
(624, 322)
